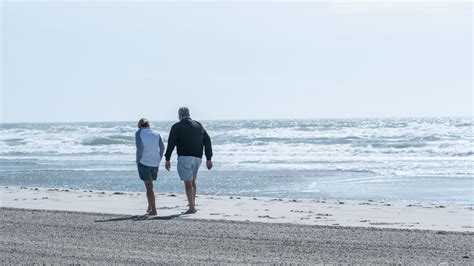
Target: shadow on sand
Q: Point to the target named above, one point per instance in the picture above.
(141, 218)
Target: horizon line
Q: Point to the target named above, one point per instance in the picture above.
(249, 119)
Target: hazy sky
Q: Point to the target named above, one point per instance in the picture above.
(80, 61)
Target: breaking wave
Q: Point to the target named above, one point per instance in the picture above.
(110, 140)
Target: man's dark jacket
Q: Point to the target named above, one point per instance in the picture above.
(189, 136)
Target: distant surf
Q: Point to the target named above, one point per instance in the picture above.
(404, 159)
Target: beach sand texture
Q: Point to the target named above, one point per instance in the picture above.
(373, 214)
(31, 236)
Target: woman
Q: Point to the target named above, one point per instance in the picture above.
(150, 149)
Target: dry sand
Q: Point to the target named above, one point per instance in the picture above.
(371, 214)
(31, 236)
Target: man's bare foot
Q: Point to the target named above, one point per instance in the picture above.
(191, 211)
(151, 213)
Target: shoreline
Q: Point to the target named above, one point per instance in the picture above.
(91, 238)
(339, 213)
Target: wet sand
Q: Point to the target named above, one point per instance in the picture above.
(33, 236)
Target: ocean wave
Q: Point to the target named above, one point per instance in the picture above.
(402, 145)
(14, 141)
(463, 154)
(110, 140)
(235, 141)
(464, 125)
(262, 140)
(128, 138)
(15, 153)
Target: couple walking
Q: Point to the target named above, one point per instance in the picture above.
(189, 137)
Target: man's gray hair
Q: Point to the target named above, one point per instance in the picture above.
(183, 112)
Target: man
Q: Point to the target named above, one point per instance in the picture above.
(150, 150)
(190, 137)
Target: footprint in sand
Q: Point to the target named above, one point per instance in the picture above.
(383, 223)
(296, 211)
(266, 216)
(323, 214)
(276, 200)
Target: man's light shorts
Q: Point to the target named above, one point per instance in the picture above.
(188, 167)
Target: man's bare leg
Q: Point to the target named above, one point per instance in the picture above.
(188, 185)
(150, 195)
(194, 188)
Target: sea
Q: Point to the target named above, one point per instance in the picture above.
(396, 159)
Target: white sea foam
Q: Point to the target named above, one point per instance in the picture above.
(437, 147)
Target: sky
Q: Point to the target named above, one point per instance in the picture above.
(119, 61)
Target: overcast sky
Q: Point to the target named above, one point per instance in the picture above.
(80, 61)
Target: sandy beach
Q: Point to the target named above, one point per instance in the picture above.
(303, 133)
(52, 225)
(32, 236)
(371, 214)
